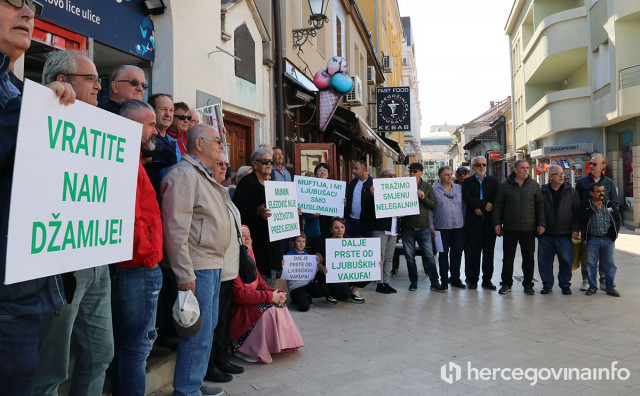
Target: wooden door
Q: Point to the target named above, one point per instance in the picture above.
(239, 139)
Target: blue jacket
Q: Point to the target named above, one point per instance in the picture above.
(610, 192)
(35, 296)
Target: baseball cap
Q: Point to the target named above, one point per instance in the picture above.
(462, 169)
(186, 314)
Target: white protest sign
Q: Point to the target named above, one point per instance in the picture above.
(396, 197)
(299, 267)
(353, 259)
(74, 187)
(283, 204)
(324, 196)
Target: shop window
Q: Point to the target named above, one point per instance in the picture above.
(244, 48)
(626, 155)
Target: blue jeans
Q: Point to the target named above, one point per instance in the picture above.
(453, 245)
(423, 237)
(88, 320)
(19, 345)
(548, 247)
(135, 302)
(601, 248)
(194, 352)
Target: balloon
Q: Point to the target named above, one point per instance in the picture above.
(342, 82)
(337, 64)
(322, 79)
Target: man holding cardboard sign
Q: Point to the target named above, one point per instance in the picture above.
(21, 304)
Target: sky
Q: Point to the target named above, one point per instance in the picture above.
(462, 57)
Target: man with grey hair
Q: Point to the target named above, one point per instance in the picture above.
(88, 318)
(479, 193)
(561, 203)
(597, 166)
(518, 214)
(197, 224)
(137, 281)
(127, 82)
(387, 230)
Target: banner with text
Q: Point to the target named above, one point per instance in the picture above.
(283, 204)
(299, 267)
(396, 197)
(353, 259)
(74, 187)
(322, 196)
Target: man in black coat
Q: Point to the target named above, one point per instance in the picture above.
(479, 193)
(359, 211)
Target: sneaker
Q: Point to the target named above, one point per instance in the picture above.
(585, 285)
(439, 288)
(458, 284)
(613, 292)
(356, 298)
(331, 300)
(210, 390)
(591, 291)
(391, 289)
(528, 290)
(545, 290)
(382, 289)
(472, 286)
(602, 285)
(566, 291)
(504, 289)
(413, 287)
(488, 285)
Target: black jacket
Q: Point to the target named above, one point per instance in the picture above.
(566, 220)
(34, 296)
(519, 208)
(367, 207)
(471, 197)
(587, 209)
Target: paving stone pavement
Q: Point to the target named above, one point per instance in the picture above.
(396, 344)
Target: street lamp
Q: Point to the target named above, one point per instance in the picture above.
(317, 20)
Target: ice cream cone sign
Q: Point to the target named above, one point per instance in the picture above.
(333, 82)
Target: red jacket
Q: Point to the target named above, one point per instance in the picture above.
(147, 229)
(246, 297)
(180, 137)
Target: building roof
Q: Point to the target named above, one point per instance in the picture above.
(436, 139)
(488, 135)
(493, 113)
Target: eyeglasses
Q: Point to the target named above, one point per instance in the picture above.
(593, 164)
(94, 78)
(266, 161)
(480, 165)
(414, 170)
(135, 83)
(34, 6)
(182, 117)
(222, 164)
(557, 174)
(217, 140)
(390, 175)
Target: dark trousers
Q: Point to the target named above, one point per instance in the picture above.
(481, 240)
(527, 241)
(453, 245)
(301, 296)
(19, 351)
(356, 228)
(219, 351)
(168, 295)
(339, 291)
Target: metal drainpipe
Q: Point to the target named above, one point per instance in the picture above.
(279, 113)
(377, 47)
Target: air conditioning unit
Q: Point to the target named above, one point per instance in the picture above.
(533, 145)
(371, 75)
(354, 98)
(386, 63)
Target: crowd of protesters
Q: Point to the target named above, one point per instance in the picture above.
(202, 230)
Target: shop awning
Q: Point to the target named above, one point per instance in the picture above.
(402, 158)
(369, 134)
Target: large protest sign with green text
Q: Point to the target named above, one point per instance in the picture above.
(283, 204)
(324, 196)
(353, 260)
(396, 197)
(74, 187)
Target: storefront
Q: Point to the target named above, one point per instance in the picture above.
(573, 158)
(623, 159)
(113, 33)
